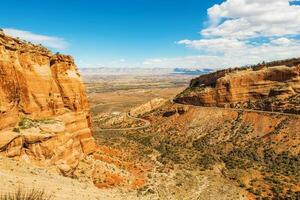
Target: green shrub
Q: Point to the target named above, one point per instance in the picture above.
(17, 130)
(206, 161)
(277, 189)
(26, 123)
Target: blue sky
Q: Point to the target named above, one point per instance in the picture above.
(150, 33)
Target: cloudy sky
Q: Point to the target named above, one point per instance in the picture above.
(155, 33)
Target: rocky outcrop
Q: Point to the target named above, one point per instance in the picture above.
(44, 113)
(147, 107)
(274, 88)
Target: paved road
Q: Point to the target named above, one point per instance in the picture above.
(146, 125)
(239, 109)
(246, 110)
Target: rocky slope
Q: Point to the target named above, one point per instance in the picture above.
(269, 87)
(258, 152)
(44, 113)
(17, 174)
(215, 153)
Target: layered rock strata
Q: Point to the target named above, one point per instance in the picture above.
(44, 113)
(275, 88)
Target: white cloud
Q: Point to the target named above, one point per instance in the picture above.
(244, 32)
(218, 45)
(49, 41)
(253, 18)
(234, 57)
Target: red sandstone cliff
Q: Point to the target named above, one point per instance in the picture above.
(273, 88)
(44, 113)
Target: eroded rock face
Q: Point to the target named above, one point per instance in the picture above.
(275, 88)
(38, 85)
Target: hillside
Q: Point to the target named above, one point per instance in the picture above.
(257, 152)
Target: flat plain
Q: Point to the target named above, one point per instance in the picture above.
(119, 93)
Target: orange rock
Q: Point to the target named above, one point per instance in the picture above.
(37, 84)
(275, 88)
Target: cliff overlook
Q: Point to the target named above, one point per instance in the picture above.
(270, 87)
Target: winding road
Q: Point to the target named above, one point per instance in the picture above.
(147, 123)
(239, 109)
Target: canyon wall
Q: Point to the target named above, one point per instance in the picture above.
(275, 88)
(44, 113)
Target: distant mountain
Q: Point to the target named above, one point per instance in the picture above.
(192, 71)
(126, 71)
(143, 71)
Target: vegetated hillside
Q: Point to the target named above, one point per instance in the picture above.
(44, 113)
(272, 86)
(257, 151)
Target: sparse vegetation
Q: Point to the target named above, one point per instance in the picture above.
(206, 161)
(22, 194)
(284, 163)
(17, 130)
(26, 123)
(254, 157)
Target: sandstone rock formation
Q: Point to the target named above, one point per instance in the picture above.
(274, 88)
(44, 113)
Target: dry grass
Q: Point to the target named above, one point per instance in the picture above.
(23, 194)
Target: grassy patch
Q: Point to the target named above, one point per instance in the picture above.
(26, 123)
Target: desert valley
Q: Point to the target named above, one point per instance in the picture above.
(230, 134)
(150, 100)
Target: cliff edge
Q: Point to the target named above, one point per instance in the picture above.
(268, 88)
(44, 113)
